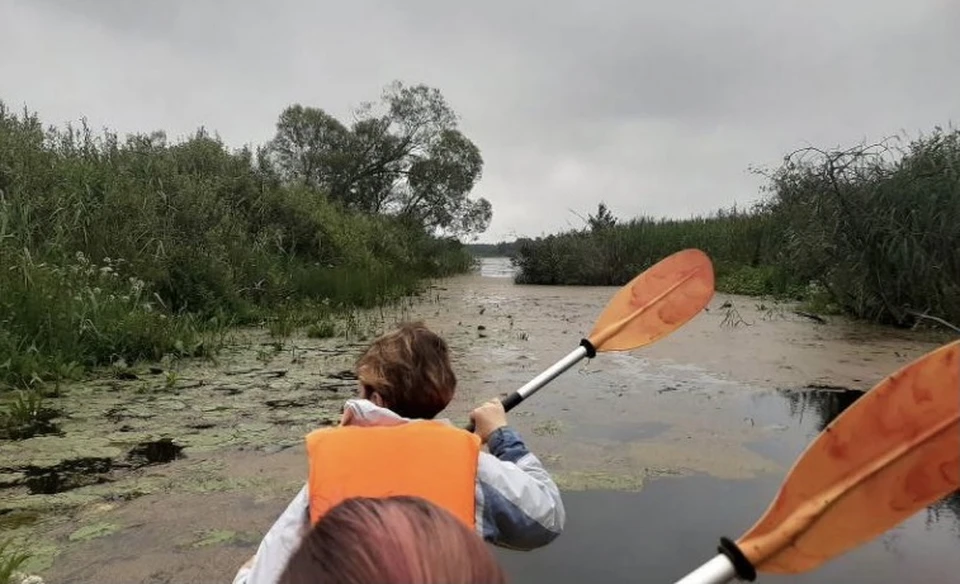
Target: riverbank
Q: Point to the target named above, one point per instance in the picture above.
(189, 476)
(116, 250)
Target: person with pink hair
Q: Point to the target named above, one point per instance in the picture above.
(391, 540)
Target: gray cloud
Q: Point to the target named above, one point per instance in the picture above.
(654, 107)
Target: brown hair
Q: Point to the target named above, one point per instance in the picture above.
(394, 540)
(409, 368)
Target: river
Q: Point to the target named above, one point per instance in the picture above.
(160, 477)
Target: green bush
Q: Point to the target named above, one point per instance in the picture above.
(737, 243)
(871, 231)
(876, 227)
(131, 249)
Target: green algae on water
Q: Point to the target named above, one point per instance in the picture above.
(223, 537)
(17, 518)
(94, 531)
(42, 555)
(550, 427)
(214, 537)
(598, 480)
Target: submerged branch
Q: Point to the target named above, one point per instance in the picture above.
(936, 319)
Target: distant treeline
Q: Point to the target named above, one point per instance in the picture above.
(872, 231)
(121, 249)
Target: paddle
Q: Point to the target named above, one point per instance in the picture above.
(651, 306)
(893, 452)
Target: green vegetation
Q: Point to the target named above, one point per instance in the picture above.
(115, 250)
(88, 532)
(26, 416)
(10, 561)
(610, 253)
(871, 231)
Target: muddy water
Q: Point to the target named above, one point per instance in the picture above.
(172, 475)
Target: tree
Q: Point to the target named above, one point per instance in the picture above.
(604, 219)
(408, 159)
(310, 146)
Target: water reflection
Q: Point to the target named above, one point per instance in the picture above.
(497, 268)
(828, 403)
(824, 403)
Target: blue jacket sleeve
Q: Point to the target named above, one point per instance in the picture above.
(520, 505)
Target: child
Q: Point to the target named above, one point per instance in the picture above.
(388, 443)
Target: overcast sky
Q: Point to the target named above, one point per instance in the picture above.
(654, 107)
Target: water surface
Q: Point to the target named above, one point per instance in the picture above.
(660, 451)
(669, 528)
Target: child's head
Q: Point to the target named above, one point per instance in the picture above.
(409, 369)
(394, 540)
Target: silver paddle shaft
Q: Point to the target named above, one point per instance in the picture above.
(552, 372)
(718, 570)
(531, 387)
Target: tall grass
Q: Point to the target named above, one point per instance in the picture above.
(873, 230)
(133, 248)
(736, 241)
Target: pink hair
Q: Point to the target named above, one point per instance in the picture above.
(394, 540)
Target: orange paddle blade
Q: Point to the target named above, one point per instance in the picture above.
(889, 455)
(655, 303)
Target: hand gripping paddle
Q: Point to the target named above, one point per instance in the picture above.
(893, 452)
(651, 306)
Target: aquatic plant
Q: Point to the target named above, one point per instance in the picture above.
(322, 330)
(26, 415)
(10, 562)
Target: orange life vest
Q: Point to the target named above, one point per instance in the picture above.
(424, 458)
